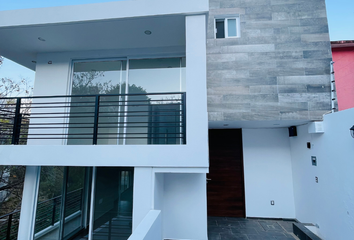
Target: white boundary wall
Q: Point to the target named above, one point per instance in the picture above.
(180, 196)
(149, 228)
(267, 173)
(330, 202)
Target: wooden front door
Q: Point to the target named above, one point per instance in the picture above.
(226, 195)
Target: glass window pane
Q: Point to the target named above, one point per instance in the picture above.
(113, 206)
(73, 224)
(231, 23)
(220, 28)
(92, 78)
(155, 75)
(47, 222)
(145, 111)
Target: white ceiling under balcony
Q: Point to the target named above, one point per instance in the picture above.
(21, 43)
(256, 124)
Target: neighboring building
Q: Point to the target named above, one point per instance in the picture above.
(343, 58)
(143, 81)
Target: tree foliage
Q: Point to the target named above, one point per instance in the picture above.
(84, 84)
(11, 177)
(11, 187)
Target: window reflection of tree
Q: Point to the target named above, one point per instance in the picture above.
(136, 118)
(112, 108)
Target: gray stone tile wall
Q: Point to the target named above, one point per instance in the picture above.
(278, 69)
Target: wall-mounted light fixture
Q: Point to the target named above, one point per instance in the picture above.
(352, 131)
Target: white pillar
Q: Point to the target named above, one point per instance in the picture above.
(142, 194)
(196, 82)
(29, 200)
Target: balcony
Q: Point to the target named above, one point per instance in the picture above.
(103, 119)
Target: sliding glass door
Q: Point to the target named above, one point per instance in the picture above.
(66, 198)
(113, 201)
(89, 79)
(138, 115)
(160, 123)
(62, 203)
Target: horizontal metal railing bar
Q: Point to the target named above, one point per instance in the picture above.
(103, 138)
(104, 95)
(102, 100)
(143, 105)
(8, 124)
(62, 102)
(145, 111)
(111, 112)
(60, 196)
(61, 117)
(65, 107)
(115, 123)
(147, 100)
(8, 214)
(3, 112)
(7, 118)
(64, 123)
(129, 105)
(101, 127)
(90, 134)
(150, 122)
(139, 122)
(175, 113)
(8, 105)
(68, 113)
(135, 116)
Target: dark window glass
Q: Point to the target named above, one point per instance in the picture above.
(220, 28)
(113, 203)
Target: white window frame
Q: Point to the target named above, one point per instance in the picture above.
(226, 32)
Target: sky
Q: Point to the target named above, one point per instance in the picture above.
(340, 15)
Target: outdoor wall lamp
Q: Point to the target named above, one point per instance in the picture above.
(352, 131)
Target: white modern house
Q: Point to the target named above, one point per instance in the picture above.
(135, 102)
(152, 152)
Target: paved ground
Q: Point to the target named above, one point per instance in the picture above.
(225, 228)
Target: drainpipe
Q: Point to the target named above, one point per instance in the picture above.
(333, 89)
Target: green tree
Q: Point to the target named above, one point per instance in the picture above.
(11, 177)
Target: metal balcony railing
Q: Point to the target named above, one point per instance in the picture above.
(48, 213)
(154, 118)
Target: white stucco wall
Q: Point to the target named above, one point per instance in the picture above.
(330, 202)
(149, 228)
(267, 172)
(142, 195)
(180, 194)
(184, 206)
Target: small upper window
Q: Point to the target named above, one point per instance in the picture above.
(227, 27)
